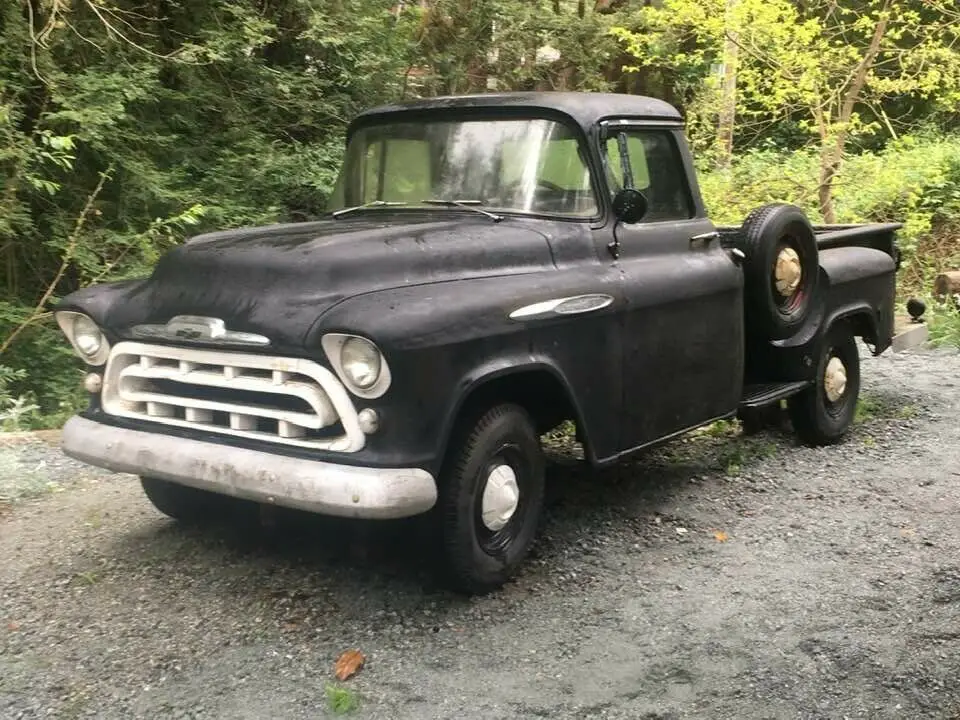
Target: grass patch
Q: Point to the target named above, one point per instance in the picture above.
(875, 407)
(87, 577)
(745, 451)
(341, 700)
(868, 408)
(719, 429)
(19, 481)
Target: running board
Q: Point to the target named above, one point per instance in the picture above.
(761, 394)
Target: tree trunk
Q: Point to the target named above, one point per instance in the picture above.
(728, 93)
(832, 157)
(947, 285)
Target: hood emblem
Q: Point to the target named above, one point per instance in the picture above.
(199, 329)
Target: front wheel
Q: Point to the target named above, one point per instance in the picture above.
(180, 502)
(491, 495)
(823, 413)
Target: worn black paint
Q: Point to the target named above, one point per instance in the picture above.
(434, 288)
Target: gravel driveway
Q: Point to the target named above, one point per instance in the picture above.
(718, 577)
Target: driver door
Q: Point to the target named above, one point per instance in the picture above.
(683, 325)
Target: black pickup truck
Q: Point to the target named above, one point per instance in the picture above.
(491, 267)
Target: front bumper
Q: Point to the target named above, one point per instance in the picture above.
(311, 485)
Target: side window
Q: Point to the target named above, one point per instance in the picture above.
(656, 169)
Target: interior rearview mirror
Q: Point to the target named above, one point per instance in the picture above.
(629, 205)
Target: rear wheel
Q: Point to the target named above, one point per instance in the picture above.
(823, 413)
(186, 504)
(491, 495)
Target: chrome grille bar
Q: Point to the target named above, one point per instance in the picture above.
(290, 401)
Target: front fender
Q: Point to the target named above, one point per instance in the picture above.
(509, 378)
(444, 340)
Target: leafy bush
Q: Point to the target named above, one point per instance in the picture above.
(944, 324)
(914, 180)
(40, 381)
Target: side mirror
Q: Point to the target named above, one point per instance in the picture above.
(629, 205)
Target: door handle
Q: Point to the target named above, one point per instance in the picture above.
(705, 238)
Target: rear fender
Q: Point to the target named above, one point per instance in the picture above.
(862, 292)
(857, 285)
(863, 322)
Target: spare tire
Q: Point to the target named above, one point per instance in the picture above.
(781, 269)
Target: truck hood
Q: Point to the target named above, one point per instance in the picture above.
(278, 280)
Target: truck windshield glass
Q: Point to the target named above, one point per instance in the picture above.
(529, 166)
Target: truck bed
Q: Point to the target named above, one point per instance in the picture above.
(880, 236)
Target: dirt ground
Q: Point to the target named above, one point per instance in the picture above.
(717, 577)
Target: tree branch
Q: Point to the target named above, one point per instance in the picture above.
(866, 62)
(38, 311)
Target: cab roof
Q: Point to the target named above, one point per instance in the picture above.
(584, 108)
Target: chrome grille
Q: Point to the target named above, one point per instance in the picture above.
(284, 400)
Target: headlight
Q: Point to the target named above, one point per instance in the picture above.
(87, 339)
(359, 364)
(360, 361)
(87, 336)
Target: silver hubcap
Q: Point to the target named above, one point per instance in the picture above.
(501, 495)
(835, 379)
(788, 272)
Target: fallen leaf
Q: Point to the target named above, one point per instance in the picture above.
(720, 535)
(348, 664)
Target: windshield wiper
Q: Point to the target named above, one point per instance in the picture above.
(372, 203)
(468, 204)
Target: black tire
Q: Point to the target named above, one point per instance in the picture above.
(185, 504)
(475, 558)
(765, 233)
(816, 419)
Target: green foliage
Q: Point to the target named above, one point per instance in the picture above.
(944, 322)
(915, 180)
(13, 408)
(798, 63)
(341, 700)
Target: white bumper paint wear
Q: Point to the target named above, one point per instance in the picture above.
(320, 487)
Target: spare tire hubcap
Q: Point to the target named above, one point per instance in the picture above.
(835, 379)
(788, 272)
(501, 495)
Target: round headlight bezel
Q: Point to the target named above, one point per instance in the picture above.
(87, 338)
(337, 345)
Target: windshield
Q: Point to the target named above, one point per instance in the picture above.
(525, 165)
